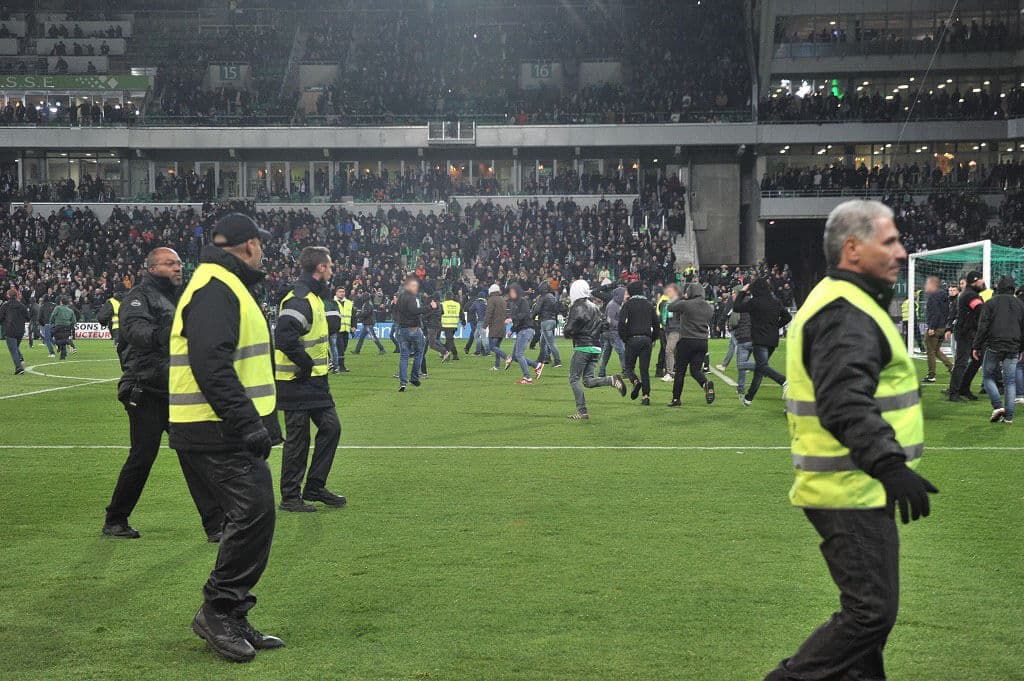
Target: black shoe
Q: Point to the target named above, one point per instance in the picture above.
(928, 379)
(382, 352)
(619, 384)
(120, 531)
(675, 403)
(19, 371)
(709, 391)
(257, 639)
(635, 392)
(956, 398)
(343, 369)
(214, 538)
(326, 496)
(416, 383)
(401, 388)
(971, 397)
(296, 506)
(646, 402)
(223, 633)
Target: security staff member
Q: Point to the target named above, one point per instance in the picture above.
(451, 314)
(223, 418)
(345, 309)
(148, 313)
(333, 324)
(109, 315)
(857, 434)
(968, 312)
(302, 389)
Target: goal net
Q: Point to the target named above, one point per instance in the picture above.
(950, 265)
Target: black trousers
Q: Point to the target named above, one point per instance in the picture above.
(965, 368)
(449, 342)
(471, 339)
(861, 548)
(342, 346)
(296, 449)
(689, 351)
(147, 423)
(243, 487)
(660, 368)
(639, 348)
(433, 340)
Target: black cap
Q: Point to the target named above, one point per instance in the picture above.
(973, 276)
(237, 228)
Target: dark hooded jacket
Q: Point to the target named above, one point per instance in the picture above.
(693, 312)
(1001, 324)
(546, 307)
(585, 324)
(494, 315)
(211, 323)
(143, 345)
(614, 307)
(519, 310)
(767, 315)
(14, 314)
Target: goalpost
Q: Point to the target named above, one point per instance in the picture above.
(950, 265)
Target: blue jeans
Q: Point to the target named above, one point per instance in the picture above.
(48, 337)
(411, 345)
(762, 354)
(730, 351)
(332, 348)
(548, 349)
(744, 363)
(499, 354)
(12, 347)
(523, 339)
(994, 364)
(483, 343)
(610, 341)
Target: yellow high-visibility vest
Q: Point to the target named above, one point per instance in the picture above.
(314, 340)
(826, 476)
(345, 310)
(252, 361)
(115, 322)
(450, 313)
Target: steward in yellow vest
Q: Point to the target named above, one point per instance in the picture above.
(301, 360)
(109, 315)
(339, 321)
(223, 422)
(857, 434)
(451, 316)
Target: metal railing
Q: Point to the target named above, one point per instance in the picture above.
(855, 192)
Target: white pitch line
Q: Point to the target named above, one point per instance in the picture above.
(91, 381)
(728, 381)
(668, 448)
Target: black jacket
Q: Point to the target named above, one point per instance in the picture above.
(585, 324)
(546, 307)
(146, 315)
(304, 392)
(519, 311)
(844, 352)
(638, 318)
(45, 310)
(365, 313)
(409, 311)
(767, 316)
(968, 310)
(14, 315)
(937, 310)
(211, 324)
(1001, 325)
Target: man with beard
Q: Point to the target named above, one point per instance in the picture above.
(147, 312)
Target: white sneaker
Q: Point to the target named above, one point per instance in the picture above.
(746, 402)
(1019, 400)
(720, 367)
(997, 415)
(52, 355)
(667, 378)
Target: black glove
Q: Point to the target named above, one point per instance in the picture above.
(257, 441)
(908, 489)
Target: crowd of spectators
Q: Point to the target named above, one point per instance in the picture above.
(945, 103)
(70, 252)
(848, 178)
(975, 36)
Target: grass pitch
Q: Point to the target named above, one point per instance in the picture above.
(487, 537)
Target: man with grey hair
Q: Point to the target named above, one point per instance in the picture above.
(857, 434)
